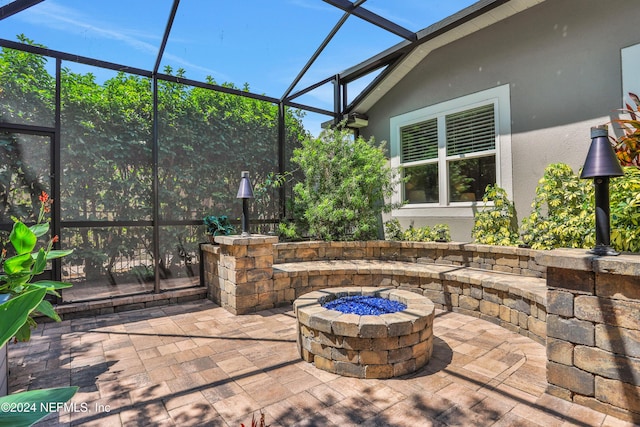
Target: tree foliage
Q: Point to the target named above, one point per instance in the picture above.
(346, 182)
(205, 139)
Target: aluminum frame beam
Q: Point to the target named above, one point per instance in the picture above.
(16, 6)
(375, 19)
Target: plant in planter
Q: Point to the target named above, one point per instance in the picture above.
(218, 226)
(257, 423)
(24, 299)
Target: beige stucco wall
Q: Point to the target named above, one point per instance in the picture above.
(561, 60)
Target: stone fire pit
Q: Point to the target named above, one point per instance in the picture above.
(380, 346)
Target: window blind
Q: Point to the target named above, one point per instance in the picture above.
(419, 141)
(471, 131)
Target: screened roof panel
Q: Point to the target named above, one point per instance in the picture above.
(356, 41)
(264, 44)
(120, 31)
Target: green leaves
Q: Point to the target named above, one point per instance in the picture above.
(22, 238)
(35, 405)
(18, 264)
(562, 213)
(218, 225)
(15, 312)
(497, 223)
(437, 233)
(346, 182)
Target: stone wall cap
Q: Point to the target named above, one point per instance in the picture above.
(572, 259)
(581, 259)
(624, 264)
(238, 240)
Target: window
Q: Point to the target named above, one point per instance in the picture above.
(450, 152)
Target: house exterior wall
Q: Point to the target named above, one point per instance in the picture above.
(562, 62)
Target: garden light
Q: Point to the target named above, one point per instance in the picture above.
(245, 192)
(601, 164)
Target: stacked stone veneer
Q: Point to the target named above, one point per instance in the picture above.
(593, 329)
(504, 259)
(501, 284)
(239, 274)
(381, 346)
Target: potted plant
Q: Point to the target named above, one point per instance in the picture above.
(218, 226)
(22, 298)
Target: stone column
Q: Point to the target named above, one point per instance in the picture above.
(593, 330)
(245, 273)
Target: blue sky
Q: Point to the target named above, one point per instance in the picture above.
(259, 42)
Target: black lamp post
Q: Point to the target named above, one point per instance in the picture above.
(245, 192)
(601, 164)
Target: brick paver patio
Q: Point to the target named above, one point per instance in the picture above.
(195, 364)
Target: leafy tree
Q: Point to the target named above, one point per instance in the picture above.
(346, 182)
(27, 92)
(26, 97)
(206, 138)
(106, 158)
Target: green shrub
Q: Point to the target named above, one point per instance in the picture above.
(437, 233)
(393, 230)
(497, 223)
(346, 182)
(287, 231)
(562, 212)
(625, 210)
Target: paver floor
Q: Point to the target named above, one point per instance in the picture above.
(195, 364)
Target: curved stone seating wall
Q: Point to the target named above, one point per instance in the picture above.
(504, 285)
(516, 303)
(503, 259)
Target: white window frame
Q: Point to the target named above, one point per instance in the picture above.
(500, 98)
(630, 59)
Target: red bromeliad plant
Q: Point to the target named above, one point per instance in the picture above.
(627, 146)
